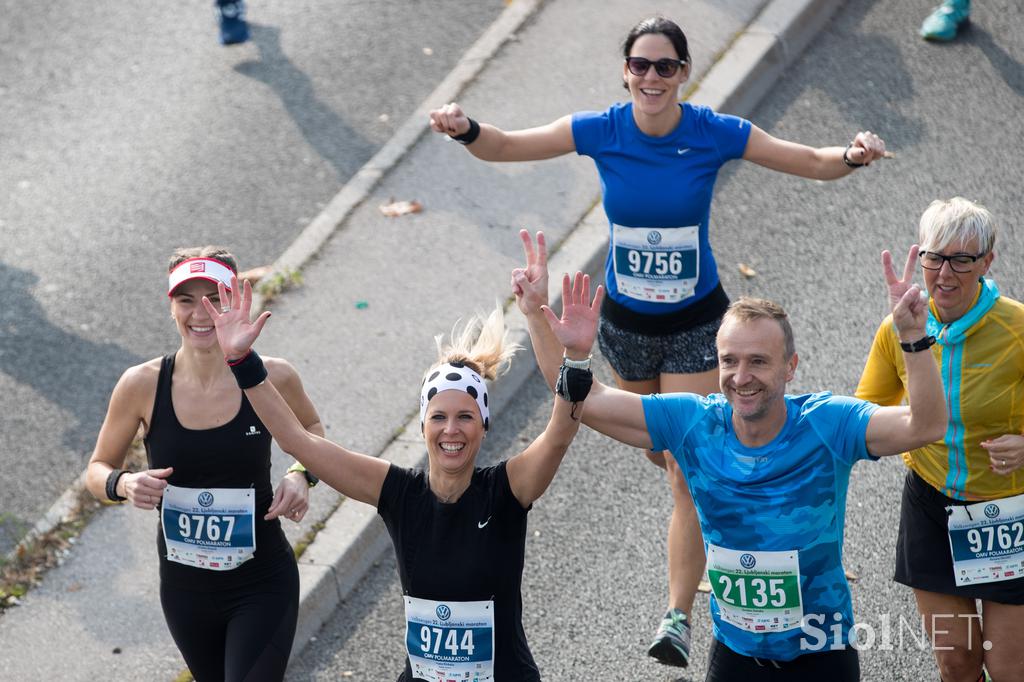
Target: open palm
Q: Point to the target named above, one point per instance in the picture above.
(235, 332)
(577, 328)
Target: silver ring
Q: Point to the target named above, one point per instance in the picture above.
(225, 308)
(1003, 462)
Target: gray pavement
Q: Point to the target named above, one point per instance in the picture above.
(127, 131)
(594, 581)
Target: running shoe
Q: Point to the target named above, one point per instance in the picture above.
(671, 645)
(231, 15)
(946, 20)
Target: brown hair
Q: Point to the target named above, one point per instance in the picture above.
(217, 253)
(747, 309)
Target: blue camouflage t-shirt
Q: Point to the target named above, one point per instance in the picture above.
(657, 191)
(784, 499)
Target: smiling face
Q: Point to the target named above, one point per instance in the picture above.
(953, 292)
(754, 368)
(191, 318)
(453, 431)
(652, 94)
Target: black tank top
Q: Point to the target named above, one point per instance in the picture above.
(235, 455)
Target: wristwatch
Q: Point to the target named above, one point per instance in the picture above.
(919, 345)
(311, 480)
(577, 364)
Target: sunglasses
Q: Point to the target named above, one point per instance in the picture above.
(666, 68)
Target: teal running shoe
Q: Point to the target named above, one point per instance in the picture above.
(946, 20)
(671, 644)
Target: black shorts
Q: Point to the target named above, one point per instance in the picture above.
(638, 357)
(923, 557)
(725, 665)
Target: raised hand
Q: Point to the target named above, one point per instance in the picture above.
(866, 147)
(235, 332)
(449, 120)
(577, 328)
(909, 306)
(530, 284)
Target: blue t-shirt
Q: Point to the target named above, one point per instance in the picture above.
(659, 182)
(787, 495)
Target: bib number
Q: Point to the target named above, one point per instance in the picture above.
(656, 264)
(450, 640)
(987, 540)
(756, 591)
(209, 528)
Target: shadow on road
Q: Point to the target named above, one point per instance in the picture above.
(335, 141)
(69, 371)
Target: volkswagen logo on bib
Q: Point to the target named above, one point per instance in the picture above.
(654, 237)
(443, 612)
(205, 498)
(747, 560)
(991, 510)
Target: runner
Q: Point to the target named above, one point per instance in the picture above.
(768, 473)
(961, 534)
(658, 161)
(229, 586)
(459, 531)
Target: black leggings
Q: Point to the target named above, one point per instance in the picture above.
(236, 635)
(725, 665)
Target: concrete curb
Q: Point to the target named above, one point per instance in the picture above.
(315, 235)
(354, 537)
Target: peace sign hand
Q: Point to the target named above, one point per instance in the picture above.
(908, 303)
(235, 333)
(530, 284)
(577, 327)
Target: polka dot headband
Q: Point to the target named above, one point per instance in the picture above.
(455, 377)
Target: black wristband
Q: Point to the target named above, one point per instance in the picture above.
(574, 384)
(248, 370)
(846, 158)
(111, 487)
(919, 345)
(468, 137)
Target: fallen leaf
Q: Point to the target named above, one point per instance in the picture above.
(428, 51)
(74, 587)
(399, 208)
(254, 275)
(851, 576)
(747, 271)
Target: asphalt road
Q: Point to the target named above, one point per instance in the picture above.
(594, 586)
(127, 131)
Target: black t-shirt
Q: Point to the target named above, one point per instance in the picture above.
(470, 550)
(235, 455)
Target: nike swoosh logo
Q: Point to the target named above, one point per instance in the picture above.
(682, 151)
(481, 525)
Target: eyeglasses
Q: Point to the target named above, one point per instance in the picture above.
(666, 68)
(958, 262)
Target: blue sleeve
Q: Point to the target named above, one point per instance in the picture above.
(729, 133)
(669, 417)
(588, 131)
(848, 421)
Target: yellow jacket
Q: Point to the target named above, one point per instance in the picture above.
(981, 357)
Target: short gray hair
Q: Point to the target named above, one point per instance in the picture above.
(956, 220)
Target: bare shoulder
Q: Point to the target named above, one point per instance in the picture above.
(140, 380)
(280, 371)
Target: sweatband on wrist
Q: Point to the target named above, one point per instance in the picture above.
(248, 370)
(468, 137)
(111, 487)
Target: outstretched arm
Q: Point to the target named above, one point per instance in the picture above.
(615, 413)
(495, 144)
(824, 163)
(531, 472)
(352, 474)
(896, 429)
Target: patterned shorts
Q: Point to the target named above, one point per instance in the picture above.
(641, 357)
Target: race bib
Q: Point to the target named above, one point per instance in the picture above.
(450, 640)
(656, 264)
(987, 540)
(756, 591)
(211, 528)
